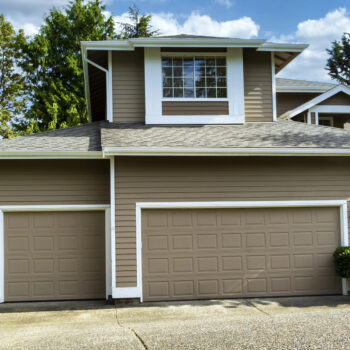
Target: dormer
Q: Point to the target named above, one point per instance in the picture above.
(184, 79)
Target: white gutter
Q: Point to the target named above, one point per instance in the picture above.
(50, 155)
(315, 89)
(167, 151)
(282, 47)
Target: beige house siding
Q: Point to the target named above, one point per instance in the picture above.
(195, 108)
(216, 179)
(286, 101)
(128, 86)
(257, 86)
(54, 182)
(339, 99)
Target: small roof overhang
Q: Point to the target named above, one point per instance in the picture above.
(315, 101)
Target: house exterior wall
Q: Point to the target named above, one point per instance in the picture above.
(340, 98)
(39, 182)
(128, 84)
(257, 86)
(286, 101)
(215, 179)
(129, 90)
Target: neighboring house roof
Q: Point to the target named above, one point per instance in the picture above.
(84, 139)
(102, 139)
(296, 85)
(279, 135)
(316, 100)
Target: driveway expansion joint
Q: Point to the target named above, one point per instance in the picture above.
(132, 330)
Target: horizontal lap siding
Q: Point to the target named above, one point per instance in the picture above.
(286, 101)
(54, 182)
(257, 86)
(128, 87)
(216, 179)
(339, 99)
(195, 108)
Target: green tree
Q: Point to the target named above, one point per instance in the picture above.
(12, 83)
(52, 61)
(338, 64)
(139, 26)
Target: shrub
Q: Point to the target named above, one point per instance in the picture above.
(342, 261)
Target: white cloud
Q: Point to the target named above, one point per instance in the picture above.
(199, 24)
(226, 3)
(319, 34)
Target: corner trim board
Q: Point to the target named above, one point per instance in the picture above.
(136, 292)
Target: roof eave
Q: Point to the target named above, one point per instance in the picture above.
(170, 151)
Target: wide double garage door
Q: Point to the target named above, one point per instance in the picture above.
(54, 255)
(225, 253)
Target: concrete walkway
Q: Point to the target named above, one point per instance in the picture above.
(280, 323)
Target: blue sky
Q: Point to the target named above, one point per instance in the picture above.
(315, 22)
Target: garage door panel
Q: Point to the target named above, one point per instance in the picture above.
(242, 252)
(54, 255)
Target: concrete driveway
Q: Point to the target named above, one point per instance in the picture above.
(280, 323)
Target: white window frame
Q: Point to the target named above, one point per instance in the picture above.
(137, 292)
(195, 54)
(154, 89)
(45, 208)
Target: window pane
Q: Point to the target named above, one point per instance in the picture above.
(167, 92)
(188, 72)
(221, 72)
(178, 82)
(221, 82)
(177, 62)
(166, 62)
(188, 92)
(178, 92)
(167, 82)
(210, 71)
(188, 83)
(200, 81)
(210, 61)
(167, 72)
(220, 61)
(222, 93)
(211, 82)
(211, 93)
(177, 71)
(200, 93)
(188, 62)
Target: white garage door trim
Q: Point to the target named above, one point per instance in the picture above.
(43, 208)
(136, 292)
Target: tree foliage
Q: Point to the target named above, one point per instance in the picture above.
(139, 26)
(52, 60)
(12, 83)
(338, 64)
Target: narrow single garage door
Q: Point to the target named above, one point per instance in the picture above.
(54, 256)
(224, 253)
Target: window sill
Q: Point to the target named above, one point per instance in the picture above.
(194, 119)
(189, 99)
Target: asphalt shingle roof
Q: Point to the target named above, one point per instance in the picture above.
(302, 83)
(282, 134)
(84, 138)
(88, 138)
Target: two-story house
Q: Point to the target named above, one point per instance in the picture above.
(313, 102)
(184, 185)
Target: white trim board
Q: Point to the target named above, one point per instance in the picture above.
(173, 151)
(273, 76)
(45, 208)
(337, 109)
(112, 224)
(318, 99)
(137, 292)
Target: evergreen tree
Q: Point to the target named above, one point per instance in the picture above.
(338, 64)
(52, 60)
(13, 86)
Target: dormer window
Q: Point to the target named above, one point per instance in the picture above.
(194, 77)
